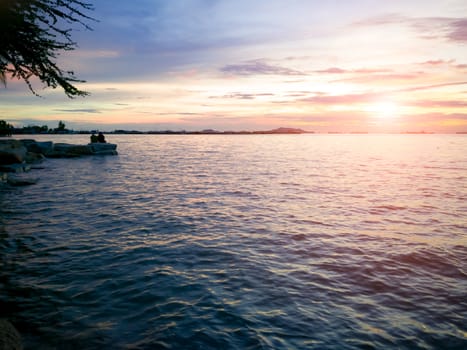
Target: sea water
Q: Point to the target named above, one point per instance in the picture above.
(241, 242)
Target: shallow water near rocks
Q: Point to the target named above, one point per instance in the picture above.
(241, 242)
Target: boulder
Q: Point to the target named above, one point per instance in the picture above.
(30, 144)
(12, 151)
(66, 150)
(9, 337)
(32, 157)
(38, 147)
(15, 168)
(103, 148)
(45, 147)
(21, 180)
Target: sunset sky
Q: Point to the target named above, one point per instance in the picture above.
(349, 66)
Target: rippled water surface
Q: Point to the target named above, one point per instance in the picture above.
(241, 242)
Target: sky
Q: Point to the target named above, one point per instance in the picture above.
(233, 65)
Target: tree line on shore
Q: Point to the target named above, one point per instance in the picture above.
(6, 129)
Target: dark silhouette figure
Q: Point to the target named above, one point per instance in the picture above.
(101, 138)
(94, 138)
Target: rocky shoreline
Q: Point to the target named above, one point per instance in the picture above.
(20, 156)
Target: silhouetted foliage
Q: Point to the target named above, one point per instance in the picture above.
(61, 129)
(5, 128)
(61, 125)
(30, 129)
(35, 129)
(32, 36)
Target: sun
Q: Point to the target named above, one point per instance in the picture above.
(384, 109)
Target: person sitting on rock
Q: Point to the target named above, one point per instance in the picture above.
(94, 138)
(101, 138)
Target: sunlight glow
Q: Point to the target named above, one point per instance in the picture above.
(384, 110)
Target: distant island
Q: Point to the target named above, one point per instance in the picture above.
(211, 131)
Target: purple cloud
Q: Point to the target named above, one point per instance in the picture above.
(452, 29)
(436, 62)
(243, 96)
(342, 99)
(332, 70)
(337, 70)
(458, 30)
(445, 104)
(433, 86)
(258, 67)
(383, 77)
(79, 110)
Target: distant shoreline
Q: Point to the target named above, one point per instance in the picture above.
(278, 131)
